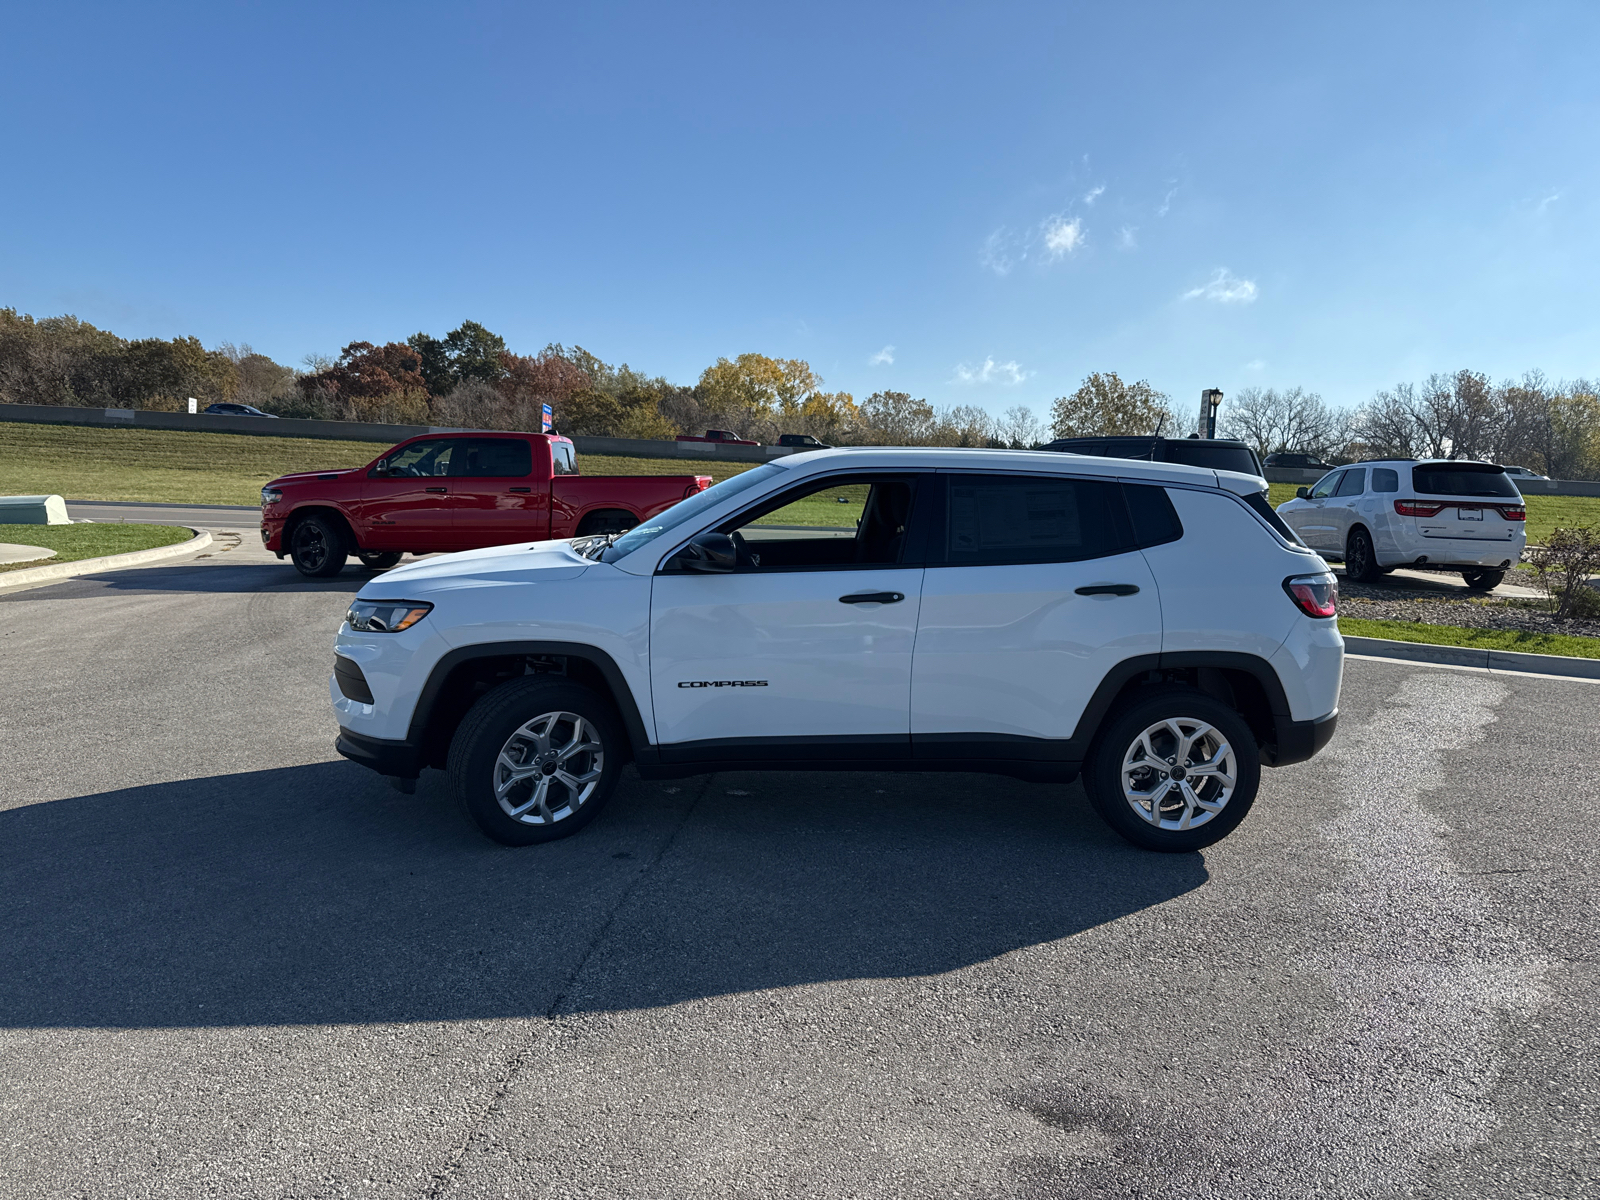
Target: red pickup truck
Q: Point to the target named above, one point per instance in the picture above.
(454, 491)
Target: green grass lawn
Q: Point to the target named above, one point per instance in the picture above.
(1544, 512)
(73, 543)
(1480, 639)
(173, 466)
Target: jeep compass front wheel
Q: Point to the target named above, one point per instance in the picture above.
(1176, 771)
(534, 760)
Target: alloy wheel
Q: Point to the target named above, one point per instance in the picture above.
(1179, 773)
(310, 546)
(548, 768)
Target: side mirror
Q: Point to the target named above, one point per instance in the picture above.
(1302, 493)
(710, 553)
(379, 471)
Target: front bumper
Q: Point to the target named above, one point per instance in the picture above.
(1298, 741)
(396, 759)
(272, 533)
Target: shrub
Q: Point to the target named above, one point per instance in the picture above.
(1563, 565)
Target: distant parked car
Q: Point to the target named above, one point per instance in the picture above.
(1218, 454)
(802, 441)
(1525, 473)
(1298, 462)
(237, 410)
(1385, 513)
(725, 436)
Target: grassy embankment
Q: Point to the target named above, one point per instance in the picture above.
(73, 543)
(1480, 639)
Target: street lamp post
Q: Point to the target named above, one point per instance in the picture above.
(1210, 401)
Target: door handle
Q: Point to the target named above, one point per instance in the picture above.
(873, 598)
(433, 489)
(522, 489)
(1108, 589)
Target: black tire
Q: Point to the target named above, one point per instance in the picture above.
(378, 560)
(317, 547)
(1483, 581)
(1360, 560)
(606, 520)
(496, 721)
(1102, 774)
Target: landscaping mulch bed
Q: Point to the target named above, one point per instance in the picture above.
(1395, 602)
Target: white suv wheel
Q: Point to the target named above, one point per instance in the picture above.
(548, 768)
(1178, 774)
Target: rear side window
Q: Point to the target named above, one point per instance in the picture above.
(490, 458)
(1462, 479)
(565, 461)
(1352, 484)
(1259, 504)
(1155, 521)
(1385, 479)
(995, 519)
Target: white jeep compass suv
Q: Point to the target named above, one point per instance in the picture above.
(1151, 626)
(1434, 513)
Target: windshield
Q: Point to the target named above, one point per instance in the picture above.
(1462, 479)
(688, 510)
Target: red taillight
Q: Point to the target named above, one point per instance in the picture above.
(1314, 595)
(1513, 512)
(1417, 508)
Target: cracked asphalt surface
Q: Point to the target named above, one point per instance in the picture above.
(232, 964)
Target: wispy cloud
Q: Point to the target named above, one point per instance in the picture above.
(1000, 251)
(1166, 202)
(882, 358)
(1062, 236)
(1094, 194)
(1255, 364)
(1225, 288)
(1546, 203)
(990, 371)
(1125, 238)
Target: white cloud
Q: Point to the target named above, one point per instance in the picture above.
(1255, 364)
(998, 253)
(1547, 202)
(882, 358)
(1094, 194)
(1125, 238)
(1225, 288)
(991, 372)
(1062, 236)
(1166, 203)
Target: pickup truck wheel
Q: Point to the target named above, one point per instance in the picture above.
(606, 520)
(535, 760)
(378, 560)
(1174, 772)
(316, 547)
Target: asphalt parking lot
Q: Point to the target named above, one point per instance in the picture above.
(232, 964)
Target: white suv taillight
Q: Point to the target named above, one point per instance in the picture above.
(1314, 595)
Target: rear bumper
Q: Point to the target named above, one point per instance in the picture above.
(399, 760)
(1300, 740)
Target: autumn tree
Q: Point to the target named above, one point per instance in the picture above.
(1106, 406)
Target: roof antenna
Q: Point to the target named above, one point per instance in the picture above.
(1160, 423)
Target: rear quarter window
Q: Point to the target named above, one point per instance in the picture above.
(1155, 522)
(1385, 479)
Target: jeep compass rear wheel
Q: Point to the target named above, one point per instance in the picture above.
(535, 760)
(1175, 772)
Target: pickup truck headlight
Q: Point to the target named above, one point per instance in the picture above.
(270, 495)
(386, 616)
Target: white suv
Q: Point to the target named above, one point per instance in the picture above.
(1152, 626)
(1434, 513)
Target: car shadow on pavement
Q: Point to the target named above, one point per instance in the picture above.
(314, 894)
(201, 578)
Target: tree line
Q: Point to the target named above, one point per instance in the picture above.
(470, 378)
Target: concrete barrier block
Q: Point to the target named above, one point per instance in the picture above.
(33, 510)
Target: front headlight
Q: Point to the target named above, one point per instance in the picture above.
(385, 616)
(270, 495)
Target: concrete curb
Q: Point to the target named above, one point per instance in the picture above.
(109, 562)
(1468, 656)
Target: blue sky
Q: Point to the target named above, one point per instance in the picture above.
(978, 203)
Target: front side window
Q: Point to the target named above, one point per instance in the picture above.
(993, 519)
(427, 458)
(1325, 486)
(491, 458)
(1385, 479)
(1352, 483)
(687, 510)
